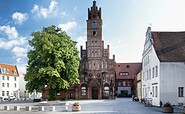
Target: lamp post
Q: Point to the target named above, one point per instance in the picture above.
(25, 95)
(112, 88)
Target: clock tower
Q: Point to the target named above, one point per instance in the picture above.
(97, 75)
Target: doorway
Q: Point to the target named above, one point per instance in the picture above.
(94, 92)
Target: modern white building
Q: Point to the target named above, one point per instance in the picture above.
(163, 67)
(9, 81)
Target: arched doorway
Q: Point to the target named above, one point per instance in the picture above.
(94, 92)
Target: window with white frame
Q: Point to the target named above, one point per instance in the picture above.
(15, 85)
(149, 73)
(3, 93)
(3, 77)
(84, 92)
(7, 93)
(15, 79)
(7, 84)
(156, 68)
(3, 85)
(180, 91)
(153, 91)
(7, 77)
(106, 91)
(156, 91)
(153, 72)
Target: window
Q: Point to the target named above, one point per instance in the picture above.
(3, 85)
(3, 93)
(153, 91)
(7, 93)
(156, 91)
(156, 71)
(153, 72)
(7, 77)
(15, 79)
(3, 78)
(128, 66)
(123, 73)
(106, 91)
(119, 83)
(181, 91)
(94, 33)
(15, 85)
(124, 83)
(7, 84)
(83, 91)
(149, 73)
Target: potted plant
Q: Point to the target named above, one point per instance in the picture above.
(183, 109)
(76, 106)
(167, 108)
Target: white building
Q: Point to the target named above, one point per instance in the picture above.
(163, 67)
(9, 81)
(24, 93)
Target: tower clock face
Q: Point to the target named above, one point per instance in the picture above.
(94, 25)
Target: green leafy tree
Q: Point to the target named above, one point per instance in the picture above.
(53, 62)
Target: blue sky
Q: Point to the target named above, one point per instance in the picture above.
(124, 24)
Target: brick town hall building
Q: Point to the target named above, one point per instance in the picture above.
(98, 74)
(97, 71)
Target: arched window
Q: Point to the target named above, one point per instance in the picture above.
(84, 92)
(106, 91)
(94, 33)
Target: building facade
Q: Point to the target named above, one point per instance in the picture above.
(163, 67)
(9, 81)
(139, 86)
(97, 74)
(126, 82)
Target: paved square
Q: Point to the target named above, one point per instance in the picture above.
(117, 106)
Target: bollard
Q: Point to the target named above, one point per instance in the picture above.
(41, 108)
(6, 107)
(52, 108)
(64, 108)
(16, 108)
(28, 108)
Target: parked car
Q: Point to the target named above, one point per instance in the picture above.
(7, 98)
(11, 98)
(4, 97)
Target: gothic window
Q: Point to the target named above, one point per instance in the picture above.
(89, 15)
(94, 15)
(106, 91)
(84, 92)
(94, 33)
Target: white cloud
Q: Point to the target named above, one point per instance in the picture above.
(11, 32)
(21, 68)
(62, 14)
(46, 12)
(19, 18)
(81, 42)
(68, 26)
(19, 52)
(8, 44)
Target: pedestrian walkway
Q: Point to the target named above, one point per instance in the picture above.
(118, 106)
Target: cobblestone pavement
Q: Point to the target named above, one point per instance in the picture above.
(118, 106)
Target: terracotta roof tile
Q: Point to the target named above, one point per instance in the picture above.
(9, 70)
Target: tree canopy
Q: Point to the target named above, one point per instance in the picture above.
(52, 62)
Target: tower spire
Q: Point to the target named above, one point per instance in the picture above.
(94, 4)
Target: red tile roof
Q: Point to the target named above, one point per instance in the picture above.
(131, 68)
(169, 46)
(9, 70)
